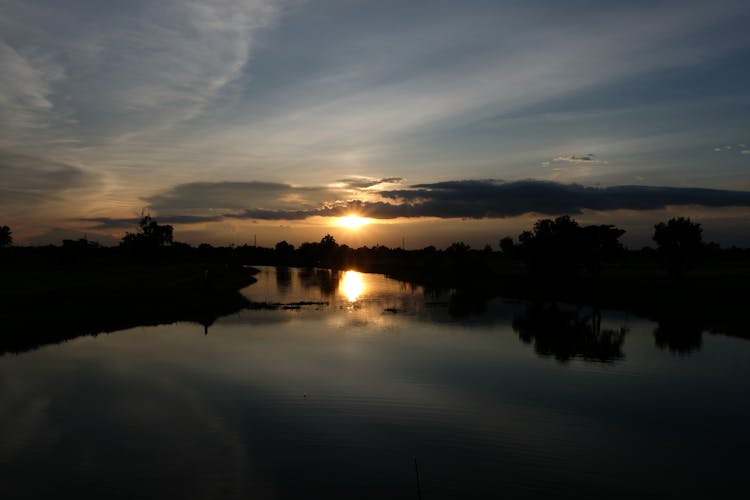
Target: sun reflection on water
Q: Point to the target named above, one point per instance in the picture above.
(352, 285)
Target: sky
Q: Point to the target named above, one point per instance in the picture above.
(266, 120)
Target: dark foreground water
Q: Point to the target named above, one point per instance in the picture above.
(335, 393)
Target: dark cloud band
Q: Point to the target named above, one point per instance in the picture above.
(503, 199)
(475, 199)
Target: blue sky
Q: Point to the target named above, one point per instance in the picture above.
(207, 113)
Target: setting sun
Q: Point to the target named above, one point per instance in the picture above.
(352, 221)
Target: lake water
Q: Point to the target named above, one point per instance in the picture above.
(341, 383)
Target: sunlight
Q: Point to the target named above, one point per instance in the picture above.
(352, 285)
(352, 221)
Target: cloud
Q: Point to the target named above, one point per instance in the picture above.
(181, 83)
(131, 223)
(585, 159)
(197, 197)
(27, 181)
(475, 199)
(55, 235)
(479, 199)
(741, 148)
(367, 182)
(25, 94)
(387, 86)
(123, 72)
(491, 199)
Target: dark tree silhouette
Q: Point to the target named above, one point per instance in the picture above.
(328, 242)
(284, 247)
(599, 243)
(284, 252)
(151, 234)
(6, 238)
(680, 243)
(552, 246)
(327, 253)
(508, 247)
(562, 245)
(458, 248)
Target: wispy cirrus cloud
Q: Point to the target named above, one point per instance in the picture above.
(123, 72)
(26, 87)
(411, 86)
(164, 98)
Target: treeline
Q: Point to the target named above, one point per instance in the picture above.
(682, 281)
(558, 247)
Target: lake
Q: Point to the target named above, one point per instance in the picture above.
(349, 385)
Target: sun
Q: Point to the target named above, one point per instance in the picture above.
(352, 221)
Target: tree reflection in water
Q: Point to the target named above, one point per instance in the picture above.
(566, 334)
(283, 279)
(679, 335)
(325, 280)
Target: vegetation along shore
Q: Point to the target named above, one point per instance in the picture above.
(52, 293)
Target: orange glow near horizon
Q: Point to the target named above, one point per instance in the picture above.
(352, 221)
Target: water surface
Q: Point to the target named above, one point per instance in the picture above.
(339, 382)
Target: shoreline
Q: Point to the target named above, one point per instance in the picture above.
(90, 299)
(103, 299)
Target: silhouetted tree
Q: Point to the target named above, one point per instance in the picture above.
(6, 238)
(284, 247)
(552, 246)
(599, 243)
(680, 242)
(151, 234)
(328, 242)
(284, 251)
(562, 245)
(79, 244)
(327, 252)
(508, 247)
(458, 248)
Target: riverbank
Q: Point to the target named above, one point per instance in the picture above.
(47, 304)
(53, 304)
(712, 297)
